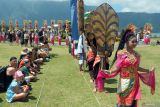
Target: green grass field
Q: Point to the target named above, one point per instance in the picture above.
(61, 84)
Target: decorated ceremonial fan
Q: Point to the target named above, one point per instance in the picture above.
(105, 28)
(89, 29)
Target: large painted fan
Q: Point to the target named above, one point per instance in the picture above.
(91, 40)
(105, 28)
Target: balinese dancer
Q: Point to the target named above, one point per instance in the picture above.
(127, 66)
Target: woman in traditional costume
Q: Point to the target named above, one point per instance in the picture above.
(127, 65)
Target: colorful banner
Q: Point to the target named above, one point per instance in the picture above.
(74, 24)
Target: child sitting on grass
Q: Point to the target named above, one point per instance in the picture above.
(15, 91)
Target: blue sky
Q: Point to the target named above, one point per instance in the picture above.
(149, 6)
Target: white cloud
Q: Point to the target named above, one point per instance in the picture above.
(151, 6)
(94, 2)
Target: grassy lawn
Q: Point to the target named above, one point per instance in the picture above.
(61, 85)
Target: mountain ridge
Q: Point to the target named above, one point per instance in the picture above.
(47, 10)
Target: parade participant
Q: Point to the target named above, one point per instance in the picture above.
(15, 91)
(18, 34)
(36, 38)
(52, 36)
(4, 36)
(82, 49)
(26, 38)
(40, 35)
(127, 65)
(59, 38)
(90, 60)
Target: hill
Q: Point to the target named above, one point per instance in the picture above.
(47, 10)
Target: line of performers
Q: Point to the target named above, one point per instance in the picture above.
(32, 37)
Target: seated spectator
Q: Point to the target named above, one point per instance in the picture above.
(16, 92)
(9, 76)
(13, 62)
(28, 73)
(158, 42)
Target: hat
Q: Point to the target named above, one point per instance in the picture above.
(24, 51)
(18, 74)
(26, 60)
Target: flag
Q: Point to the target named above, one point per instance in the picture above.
(74, 24)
